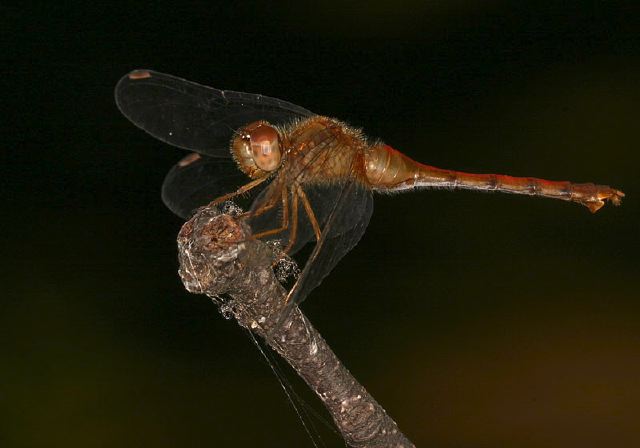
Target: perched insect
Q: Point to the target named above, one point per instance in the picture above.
(315, 174)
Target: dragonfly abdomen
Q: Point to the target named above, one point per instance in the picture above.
(388, 170)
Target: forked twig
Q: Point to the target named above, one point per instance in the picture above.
(218, 257)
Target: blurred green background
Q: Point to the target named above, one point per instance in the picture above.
(477, 320)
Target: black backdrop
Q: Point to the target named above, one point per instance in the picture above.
(475, 319)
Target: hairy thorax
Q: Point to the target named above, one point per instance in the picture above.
(322, 149)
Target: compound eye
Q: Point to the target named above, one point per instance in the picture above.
(265, 146)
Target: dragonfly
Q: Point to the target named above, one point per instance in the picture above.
(311, 178)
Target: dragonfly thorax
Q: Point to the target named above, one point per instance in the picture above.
(256, 149)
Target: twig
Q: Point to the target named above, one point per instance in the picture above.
(218, 257)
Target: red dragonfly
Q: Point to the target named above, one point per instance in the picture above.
(312, 176)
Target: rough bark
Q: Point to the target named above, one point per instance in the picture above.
(219, 258)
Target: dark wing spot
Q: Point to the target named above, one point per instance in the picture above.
(139, 74)
(188, 160)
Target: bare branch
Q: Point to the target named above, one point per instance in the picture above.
(219, 257)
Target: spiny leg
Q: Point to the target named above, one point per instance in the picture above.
(272, 202)
(293, 233)
(310, 214)
(299, 192)
(285, 215)
(239, 191)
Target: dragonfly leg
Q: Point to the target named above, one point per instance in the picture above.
(289, 217)
(285, 216)
(310, 214)
(262, 209)
(239, 191)
(293, 233)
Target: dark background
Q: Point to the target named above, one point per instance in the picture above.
(477, 320)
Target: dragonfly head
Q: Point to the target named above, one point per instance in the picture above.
(256, 149)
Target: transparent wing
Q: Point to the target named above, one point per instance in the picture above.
(196, 180)
(203, 119)
(343, 228)
(192, 116)
(342, 208)
(343, 211)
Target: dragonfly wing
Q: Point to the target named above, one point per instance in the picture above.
(341, 231)
(341, 206)
(196, 180)
(192, 116)
(342, 210)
